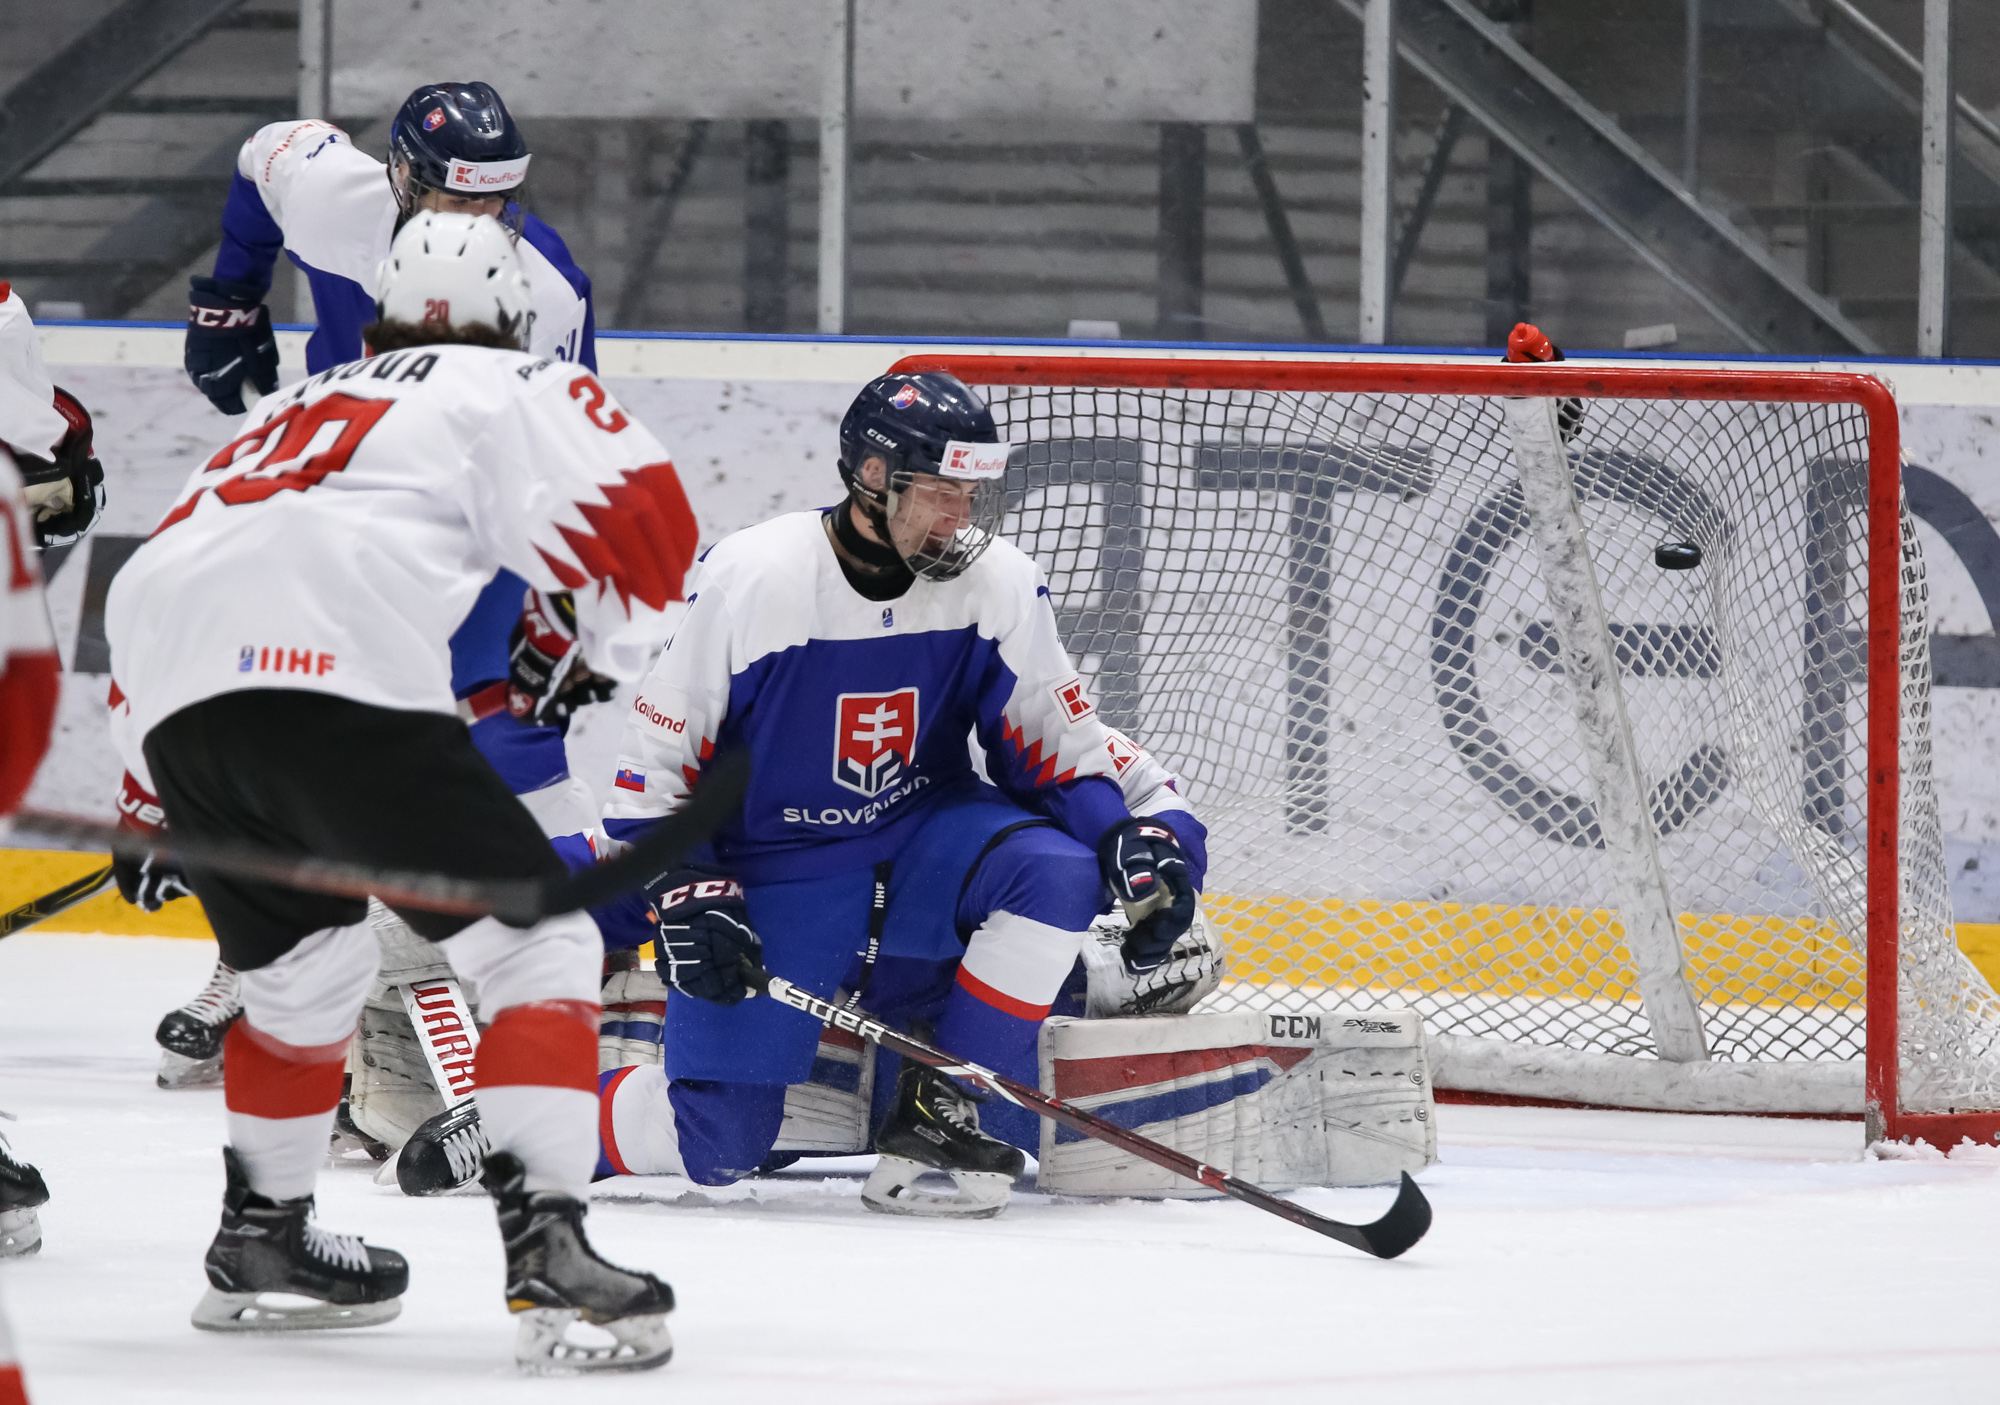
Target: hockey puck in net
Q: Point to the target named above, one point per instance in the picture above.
(1677, 556)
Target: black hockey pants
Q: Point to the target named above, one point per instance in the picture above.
(300, 773)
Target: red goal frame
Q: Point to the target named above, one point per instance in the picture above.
(1882, 1103)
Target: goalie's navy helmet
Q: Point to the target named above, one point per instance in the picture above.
(457, 138)
(942, 497)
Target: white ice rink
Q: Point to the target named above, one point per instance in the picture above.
(1577, 1256)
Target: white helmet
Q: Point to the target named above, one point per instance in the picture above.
(454, 269)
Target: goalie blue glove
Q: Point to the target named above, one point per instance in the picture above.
(704, 935)
(1147, 871)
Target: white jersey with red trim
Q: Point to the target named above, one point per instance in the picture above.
(338, 214)
(28, 662)
(337, 543)
(857, 713)
(29, 420)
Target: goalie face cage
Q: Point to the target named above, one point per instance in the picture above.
(1339, 601)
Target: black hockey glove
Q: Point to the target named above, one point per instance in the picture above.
(1148, 873)
(149, 884)
(67, 491)
(546, 677)
(229, 340)
(704, 935)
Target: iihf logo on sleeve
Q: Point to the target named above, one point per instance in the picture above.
(874, 739)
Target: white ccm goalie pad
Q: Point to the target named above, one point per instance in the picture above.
(1327, 1097)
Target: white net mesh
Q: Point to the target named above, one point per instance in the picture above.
(1325, 612)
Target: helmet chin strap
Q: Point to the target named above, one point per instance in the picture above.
(875, 569)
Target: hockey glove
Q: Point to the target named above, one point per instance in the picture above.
(546, 677)
(149, 884)
(704, 935)
(1148, 873)
(67, 491)
(229, 340)
(1528, 342)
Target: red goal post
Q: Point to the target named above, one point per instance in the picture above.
(1885, 623)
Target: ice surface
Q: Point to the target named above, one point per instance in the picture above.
(1577, 1256)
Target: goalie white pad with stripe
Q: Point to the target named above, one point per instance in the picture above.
(1322, 1097)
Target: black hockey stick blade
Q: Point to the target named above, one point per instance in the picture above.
(1393, 1234)
(1408, 1220)
(61, 900)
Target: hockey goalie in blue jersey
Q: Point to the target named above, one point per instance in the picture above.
(860, 654)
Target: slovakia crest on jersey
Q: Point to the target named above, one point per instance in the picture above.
(875, 739)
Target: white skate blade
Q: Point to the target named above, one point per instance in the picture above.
(385, 1174)
(555, 1341)
(20, 1234)
(892, 1190)
(180, 1071)
(285, 1312)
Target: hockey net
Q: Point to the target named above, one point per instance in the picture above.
(1321, 593)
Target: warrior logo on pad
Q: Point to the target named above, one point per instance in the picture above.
(875, 739)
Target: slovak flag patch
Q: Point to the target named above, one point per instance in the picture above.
(434, 119)
(629, 779)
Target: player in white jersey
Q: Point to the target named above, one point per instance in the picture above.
(49, 433)
(279, 648)
(853, 653)
(28, 669)
(302, 189)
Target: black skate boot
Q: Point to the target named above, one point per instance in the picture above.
(934, 1126)
(555, 1280)
(347, 1138)
(273, 1246)
(22, 1192)
(446, 1152)
(190, 1038)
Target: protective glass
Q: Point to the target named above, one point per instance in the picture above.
(940, 521)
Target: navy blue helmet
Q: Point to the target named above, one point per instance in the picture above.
(942, 498)
(457, 138)
(908, 419)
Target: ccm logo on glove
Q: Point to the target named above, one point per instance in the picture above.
(707, 888)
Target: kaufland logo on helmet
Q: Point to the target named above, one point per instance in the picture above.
(904, 398)
(488, 176)
(434, 119)
(874, 740)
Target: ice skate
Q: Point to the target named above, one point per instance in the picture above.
(445, 1153)
(22, 1191)
(269, 1254)
(557, 1284)
(934, 1127)
(190, 1038)
(347, 1139)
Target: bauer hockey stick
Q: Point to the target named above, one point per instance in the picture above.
(519, 902)
(1404, 1224)
(61, 900)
